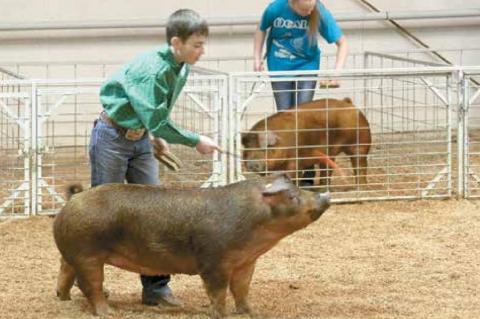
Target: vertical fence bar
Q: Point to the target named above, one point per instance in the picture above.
(226, 136)
(234, 129)
(34, 151)
(27, 154)
(462, 139)
(449, 134)
(460, 130)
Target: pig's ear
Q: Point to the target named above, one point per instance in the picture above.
(247, 139)
(267, 139)
(279, 183)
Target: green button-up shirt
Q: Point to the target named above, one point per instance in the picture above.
(143, 93)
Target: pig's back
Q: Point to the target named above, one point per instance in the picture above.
(111, 213)
(331, 113)
(321, 113)
(346, 124)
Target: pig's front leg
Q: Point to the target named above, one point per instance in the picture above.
(240, 285)
(216, 283)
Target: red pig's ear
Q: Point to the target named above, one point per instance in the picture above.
(268, 138)
(248, 139)
(279, 183)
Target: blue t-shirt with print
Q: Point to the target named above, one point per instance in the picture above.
(288, 45)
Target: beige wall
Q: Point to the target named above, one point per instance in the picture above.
(119, 45)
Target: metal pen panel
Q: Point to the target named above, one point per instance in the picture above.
(409, 119)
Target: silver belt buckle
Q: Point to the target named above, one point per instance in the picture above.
(134, 135)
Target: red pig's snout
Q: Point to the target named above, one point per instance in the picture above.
(257, 166)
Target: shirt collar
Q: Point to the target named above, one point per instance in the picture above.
(167, 54)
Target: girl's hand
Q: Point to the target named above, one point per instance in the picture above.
(258, 65)
(328, 84)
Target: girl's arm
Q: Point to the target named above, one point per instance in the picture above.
(258, 40)
(342, 51)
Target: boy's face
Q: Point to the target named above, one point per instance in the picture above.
(189, 51)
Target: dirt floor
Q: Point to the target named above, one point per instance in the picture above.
(416, 259)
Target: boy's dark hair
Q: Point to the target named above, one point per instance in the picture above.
(185, 22)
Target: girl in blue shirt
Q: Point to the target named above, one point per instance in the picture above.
(292, 45)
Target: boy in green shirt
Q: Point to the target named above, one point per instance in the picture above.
(137, 102)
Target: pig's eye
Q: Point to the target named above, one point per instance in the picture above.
(294, 199)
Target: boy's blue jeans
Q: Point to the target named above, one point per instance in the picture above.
(114, 159)
(290, 94)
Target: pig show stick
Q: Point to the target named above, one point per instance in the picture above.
(174, 164)
(229, 154)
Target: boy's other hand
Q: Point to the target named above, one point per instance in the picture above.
(161, 151)
(159, 145)
(206, 145)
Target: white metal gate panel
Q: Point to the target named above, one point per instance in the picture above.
(16, 155)
(423, 122)
(469, 132)
(202, 108)
(410, 121)
(65, 114)
(45, 130)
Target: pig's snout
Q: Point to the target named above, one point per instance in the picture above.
(255, 166)
(323, 198)
(322, 201)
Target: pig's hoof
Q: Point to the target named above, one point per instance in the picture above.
(63, 296)
(102, 310)
(216, 315)
(245, 311)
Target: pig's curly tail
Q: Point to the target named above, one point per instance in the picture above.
(73, 189)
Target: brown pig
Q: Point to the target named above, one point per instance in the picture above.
(217, 233)
(315, 134)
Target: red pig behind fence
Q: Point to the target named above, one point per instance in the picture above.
(314, 133)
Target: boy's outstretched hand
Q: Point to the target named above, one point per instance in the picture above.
(206, 145)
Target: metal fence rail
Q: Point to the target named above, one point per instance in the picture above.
(409, 113)
(45, 130)
(423, 122)
(356, 60)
